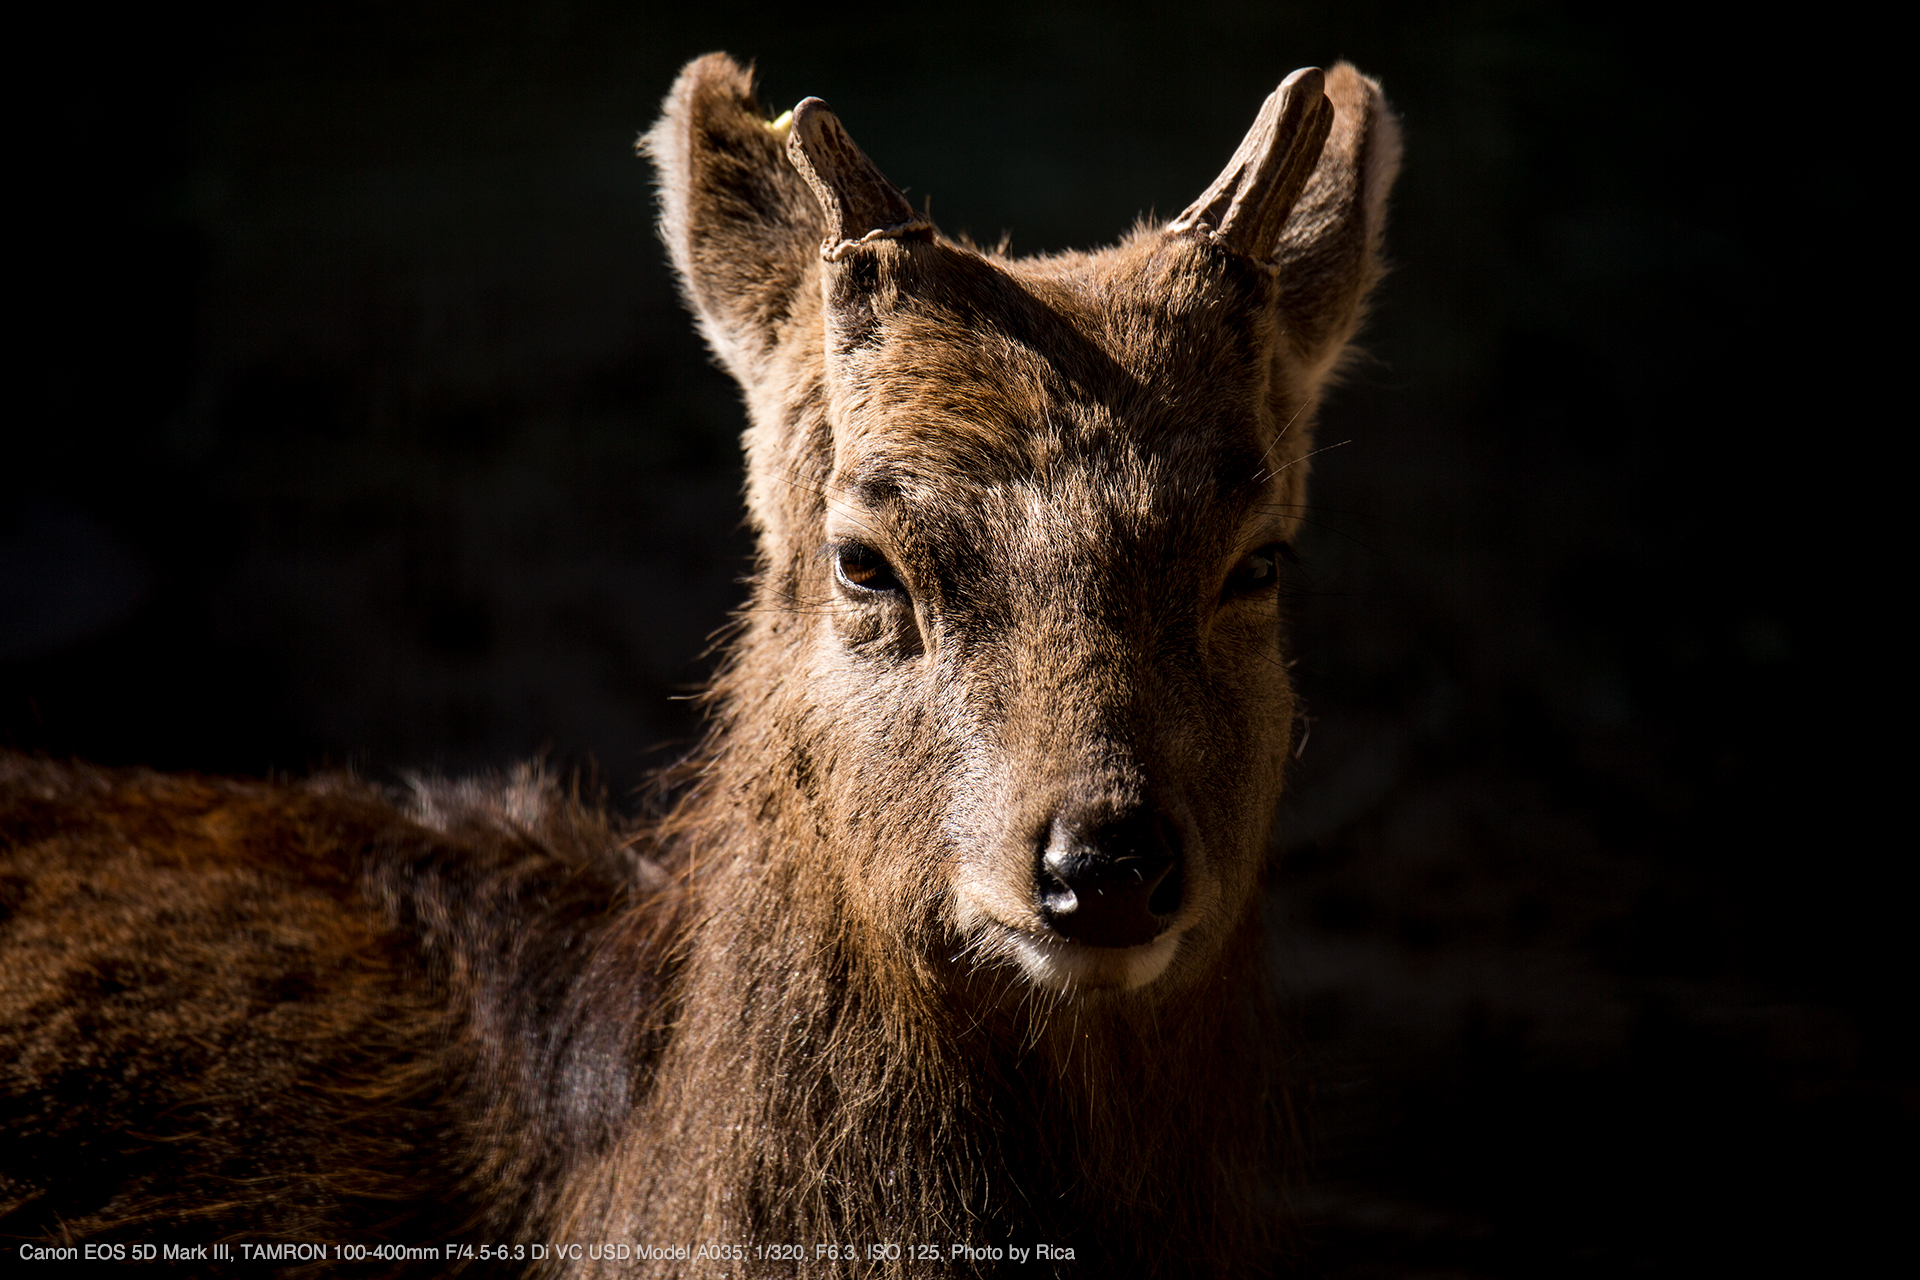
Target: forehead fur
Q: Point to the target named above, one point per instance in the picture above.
(942, 360)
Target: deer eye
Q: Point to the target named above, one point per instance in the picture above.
(864, 571)
(1257, 571)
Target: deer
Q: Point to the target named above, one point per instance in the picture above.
(944, 956)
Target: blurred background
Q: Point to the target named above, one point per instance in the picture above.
(359, 425)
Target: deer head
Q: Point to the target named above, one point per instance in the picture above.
(1013, 686)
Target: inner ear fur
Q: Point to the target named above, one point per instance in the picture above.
(1329, 254)
(740, 224)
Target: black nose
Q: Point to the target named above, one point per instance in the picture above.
(1110, 882)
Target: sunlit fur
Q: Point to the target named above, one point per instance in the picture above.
(816, 1002)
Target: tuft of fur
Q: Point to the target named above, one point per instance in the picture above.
(1013, 610)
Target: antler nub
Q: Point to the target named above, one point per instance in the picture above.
(1248, 203)
(859, 202)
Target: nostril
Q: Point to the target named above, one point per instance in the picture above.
(1166, 896)
(1055, 896)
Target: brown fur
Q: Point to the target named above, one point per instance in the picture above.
(827, 999)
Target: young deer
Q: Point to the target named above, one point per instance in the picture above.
(948, 948)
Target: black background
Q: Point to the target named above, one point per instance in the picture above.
(355, 422)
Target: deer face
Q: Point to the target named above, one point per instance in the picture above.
(1021, 524)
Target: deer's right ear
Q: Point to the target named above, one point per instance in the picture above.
(739, 222)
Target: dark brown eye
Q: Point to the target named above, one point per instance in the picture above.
(863, 570)
(1257, 571)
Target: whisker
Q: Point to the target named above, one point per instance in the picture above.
(1280, 435)
(1314, 453)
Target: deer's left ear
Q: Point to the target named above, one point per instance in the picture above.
(1329, 254)
(740, 224)
(1305, 195)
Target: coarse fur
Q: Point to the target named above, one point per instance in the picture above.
(950, 935)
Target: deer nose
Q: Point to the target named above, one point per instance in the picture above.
(1113, 882)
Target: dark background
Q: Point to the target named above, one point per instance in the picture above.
(355, 422)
